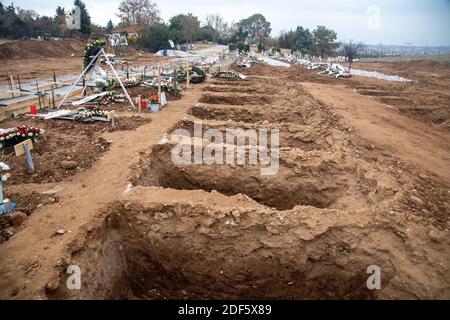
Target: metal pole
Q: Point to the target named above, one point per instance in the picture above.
(81, 76)
(53, 98)
(39, 95)
(11, 85)
(118, 79)
(159, 83)
(18, 81)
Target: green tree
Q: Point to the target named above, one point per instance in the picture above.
(155, 37)
(109, 26)
(11, 9)
(60, 20)
(85, 17)
(324, 41)
(255, 29)
(184, 27)
(207, 33)
(287, 40)
(304, 40)
(60, 12)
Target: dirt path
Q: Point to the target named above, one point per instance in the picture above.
(409, 139)
(29, 259)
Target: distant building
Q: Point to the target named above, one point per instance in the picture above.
(73, 20)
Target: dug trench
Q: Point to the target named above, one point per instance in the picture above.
(187, 249)
(216, 231)
(236, 99)
(294, 106)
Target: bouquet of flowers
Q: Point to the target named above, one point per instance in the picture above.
(154, 99)
(172, 88)
(112, 96)
(16, 135)
(167, 85)
(127, 83)
(86, 114)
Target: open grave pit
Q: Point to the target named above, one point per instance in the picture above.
(318, 179)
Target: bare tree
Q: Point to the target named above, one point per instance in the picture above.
(218, 23)
(27, 15)
(138, 12)
(351, 51)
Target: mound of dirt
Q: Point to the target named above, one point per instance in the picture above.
(422, 65)
(29, 49)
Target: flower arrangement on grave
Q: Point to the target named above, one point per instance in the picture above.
(91, 50)
(111, 97)
(127, 83)
(167, 85)
(170, 87)
(19, 134)
(86, 114)
(154, 99)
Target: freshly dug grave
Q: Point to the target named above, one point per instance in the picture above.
(245, 89)
(66, 148)
(290, 135)
(316, 179)
(231, 82)
(189, 250)
(233, 99)
(281, 113)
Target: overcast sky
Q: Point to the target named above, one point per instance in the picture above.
(417, 22)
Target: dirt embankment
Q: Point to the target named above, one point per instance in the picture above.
(31, 49)
(427, 98)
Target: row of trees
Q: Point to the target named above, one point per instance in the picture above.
(144, 16)
(17, 23)
(320, 42)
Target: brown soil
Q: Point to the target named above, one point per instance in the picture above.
(358, 185)
(32, 49)
(64, 140)
(146, 92)
(38, 60)
(427, 99)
